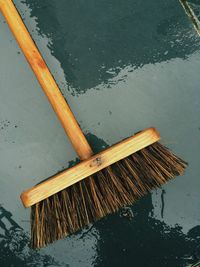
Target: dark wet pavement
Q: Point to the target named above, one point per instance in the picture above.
(123, 66)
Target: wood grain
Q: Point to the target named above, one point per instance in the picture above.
(90, 166)
(46, 79)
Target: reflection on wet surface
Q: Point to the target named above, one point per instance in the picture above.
(151, 242)
(93, 42)
(14, 242)
(121, 69)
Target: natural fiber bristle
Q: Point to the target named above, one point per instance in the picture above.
(102, 193)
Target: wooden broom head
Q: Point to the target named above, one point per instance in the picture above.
(116, 177)
(89, 167)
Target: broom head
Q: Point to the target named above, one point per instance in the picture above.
(116, 177)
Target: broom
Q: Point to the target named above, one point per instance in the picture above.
(100, 184)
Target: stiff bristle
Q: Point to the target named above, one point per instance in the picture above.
(102, 193)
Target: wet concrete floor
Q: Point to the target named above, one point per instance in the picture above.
(123, 66)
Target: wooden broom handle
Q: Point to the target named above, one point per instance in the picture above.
(46, 79)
